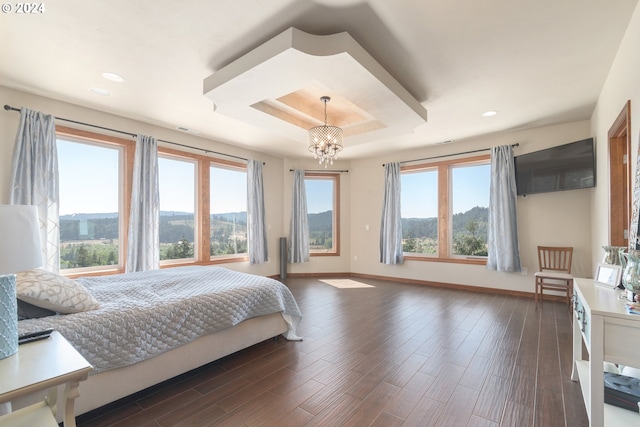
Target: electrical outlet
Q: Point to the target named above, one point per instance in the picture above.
(524, 271)
(355, 258)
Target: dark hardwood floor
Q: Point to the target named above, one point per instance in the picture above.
(379, 353)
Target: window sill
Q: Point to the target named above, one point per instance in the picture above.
(90, 272)
(227, 259)
(472, 261)
(324, 253)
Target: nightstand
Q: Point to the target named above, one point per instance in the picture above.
(42, 366)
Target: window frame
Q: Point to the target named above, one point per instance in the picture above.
(335, 238)
(415, 170)
(220, 259)
(125, 176)
(202, 200)
(445, 214)
(179, 156)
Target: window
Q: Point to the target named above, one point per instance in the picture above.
(177, 207)
(470, 209)
(228, 210)
(322, 210)
(203, 204)
(419, 205)
(91, 220)
(445, 210)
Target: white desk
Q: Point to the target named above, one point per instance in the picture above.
(42, 366)
(609, 334)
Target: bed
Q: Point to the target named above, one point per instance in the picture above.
(139, 329)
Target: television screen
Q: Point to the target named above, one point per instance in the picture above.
(565, 167)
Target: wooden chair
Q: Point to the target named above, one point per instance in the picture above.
(554, 272)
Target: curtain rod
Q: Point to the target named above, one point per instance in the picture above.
(133, 135)
(322, 170)
(453, 154)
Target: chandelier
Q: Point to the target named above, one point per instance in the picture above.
(325, 142)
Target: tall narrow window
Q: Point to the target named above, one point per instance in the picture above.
(228, 210)
(419, 207)
(177, 208)
(470, 209)
(322, 211)
(90, 208)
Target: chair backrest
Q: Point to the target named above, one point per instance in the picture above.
(554, 258)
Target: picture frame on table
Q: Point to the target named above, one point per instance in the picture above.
(608, 275)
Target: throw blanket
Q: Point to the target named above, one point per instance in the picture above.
(146, 313)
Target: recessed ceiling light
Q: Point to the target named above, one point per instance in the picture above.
(113, 77)
(100, 91)
(490, 113)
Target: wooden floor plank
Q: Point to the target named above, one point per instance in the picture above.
(391, 354)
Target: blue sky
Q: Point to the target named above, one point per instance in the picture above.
(92, 168)
(89, 182)
(319, 195)
(83, 167)
(420, 191)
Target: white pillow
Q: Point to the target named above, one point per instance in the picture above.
(54, 292)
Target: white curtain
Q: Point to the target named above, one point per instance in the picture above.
(391, 226)
(143, 251)
(502, 233)
(256, 220)
(299, 226)
(34, 179)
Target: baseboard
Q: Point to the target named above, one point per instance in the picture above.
(422, 283)
(448, 285)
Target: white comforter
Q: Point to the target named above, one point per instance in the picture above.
(147, 313)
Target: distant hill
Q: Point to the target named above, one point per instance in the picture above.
(427, 227)
(85, 216)
(176, 225)
(230, 216)
(321, 221)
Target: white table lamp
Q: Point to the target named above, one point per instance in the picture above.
(20, 250)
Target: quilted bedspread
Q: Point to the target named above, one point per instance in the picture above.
(147, 313)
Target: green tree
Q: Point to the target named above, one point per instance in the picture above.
(409, 244)
(183, 249)
(83, 256)
(470, 243)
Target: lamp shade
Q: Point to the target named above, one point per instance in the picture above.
(20, 247)
(19, 250)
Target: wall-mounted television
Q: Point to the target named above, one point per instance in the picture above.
(564, 167)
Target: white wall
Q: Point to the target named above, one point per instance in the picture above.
(272, 172)
(622, 84)
(556, 218)
(561, 218)
(578, 218)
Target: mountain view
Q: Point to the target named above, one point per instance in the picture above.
(420, 235)
(92, 239)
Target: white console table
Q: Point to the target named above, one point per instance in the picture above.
(609, 334)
